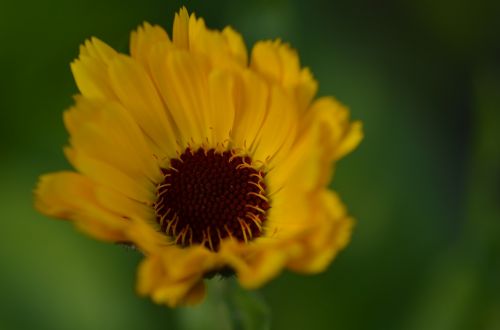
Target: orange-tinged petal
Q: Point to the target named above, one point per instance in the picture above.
(261, 266)
(150, 274)
(195, 294)
(322, 242)
(68, 195)
(176, 275)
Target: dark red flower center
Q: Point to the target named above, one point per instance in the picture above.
(207, 196)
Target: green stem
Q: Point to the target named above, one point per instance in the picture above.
(227, 307)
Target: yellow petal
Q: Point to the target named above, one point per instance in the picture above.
(236, 45)
(91, 78)
(322, 242)
(175, 276)
(352, 137)
(296, 173)
(266, 60)
(97, 49)
(326, 134)
(182, 80)
(343, 135)
(104, 174)
(69, 195)
(138, 112)
(121, 204)
(137, 93)
(149, 275)
(198, 33)
(181, 29)
(279, 63)
(143, 233)
(278, 130)
(179, 293)
(105, 131)
(144, 39)
(224, 49)
(257, 262)
(291, 212)
(55, 193)
(190, 261)
(90, 69)
(251, 109)
(195, 294)
(261, 267)
(306, 89)
(221, 93)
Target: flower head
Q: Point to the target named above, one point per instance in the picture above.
(207, 161)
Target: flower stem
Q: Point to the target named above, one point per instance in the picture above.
(227, 307)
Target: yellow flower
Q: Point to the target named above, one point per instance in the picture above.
(207, 161)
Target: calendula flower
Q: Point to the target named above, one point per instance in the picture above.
(208, 162)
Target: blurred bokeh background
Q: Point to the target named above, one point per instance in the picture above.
(423, 76)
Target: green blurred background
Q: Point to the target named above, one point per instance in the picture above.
(423, 76)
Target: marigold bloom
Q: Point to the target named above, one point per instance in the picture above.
(203, 159)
